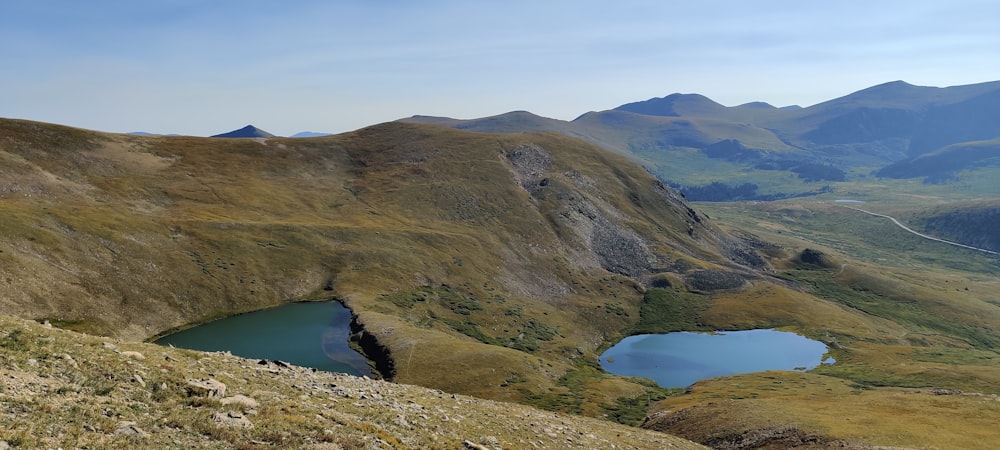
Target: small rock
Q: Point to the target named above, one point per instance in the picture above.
(138, 379)
(232, 419)
(935, 391)
(33, 362)
(473, 446)
(109, 346)
(130, 429)
(281, 363)
(206, 388)
(88, 427)
(69, 360)
(134, 355)
(4, 445)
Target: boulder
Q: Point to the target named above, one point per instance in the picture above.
(130, 429)
(206, 388)
(232, 419)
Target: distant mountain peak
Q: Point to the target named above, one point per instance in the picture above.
(674, 105)
(248, 131)
(893, 86)
(757, 105)
(897, 83)
(309, 134)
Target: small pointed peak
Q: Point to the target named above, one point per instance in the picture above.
(248, 131)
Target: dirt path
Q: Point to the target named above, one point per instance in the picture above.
(900, 224)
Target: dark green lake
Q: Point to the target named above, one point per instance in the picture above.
(311, 334)
(680, 359)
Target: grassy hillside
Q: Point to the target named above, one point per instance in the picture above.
(943, 165)
(61, 389)
(485, 264)
(971, 223)
(498, 265)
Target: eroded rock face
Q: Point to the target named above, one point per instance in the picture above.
(530, 162)
(602, 240)
(620, 250)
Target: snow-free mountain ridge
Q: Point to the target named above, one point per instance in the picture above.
(891, 124)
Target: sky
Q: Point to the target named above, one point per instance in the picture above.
(200, 67)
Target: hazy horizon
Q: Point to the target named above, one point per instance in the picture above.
(200, 68)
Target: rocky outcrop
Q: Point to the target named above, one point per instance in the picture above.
(377, 353)
(714, 280)
(529, 163)
(773, 437)
(815, 258)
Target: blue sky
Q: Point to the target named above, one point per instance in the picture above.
(202, 67)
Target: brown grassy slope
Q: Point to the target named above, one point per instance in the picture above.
(60, 389)
(798, 410)
(531, 248)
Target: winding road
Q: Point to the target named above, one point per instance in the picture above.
(900, 224)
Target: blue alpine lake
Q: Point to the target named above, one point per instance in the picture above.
(680, 359)
(309, 334)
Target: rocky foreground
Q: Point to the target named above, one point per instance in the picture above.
(64, 389)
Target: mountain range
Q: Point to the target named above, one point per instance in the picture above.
(248, 131)
(893, 130)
